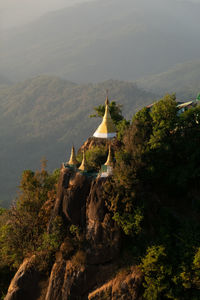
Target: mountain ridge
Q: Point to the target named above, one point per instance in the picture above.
(182, 79)
(103, 39)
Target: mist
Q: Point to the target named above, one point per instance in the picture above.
(18, 13)
(98, 40)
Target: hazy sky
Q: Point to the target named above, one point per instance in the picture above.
(18, 12)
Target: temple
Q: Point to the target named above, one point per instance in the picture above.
(106, 129)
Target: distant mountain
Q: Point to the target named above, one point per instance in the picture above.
(104, 39)
(43, 116)
(4, 80)
(182, 79)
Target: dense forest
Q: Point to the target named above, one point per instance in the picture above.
(153, 197)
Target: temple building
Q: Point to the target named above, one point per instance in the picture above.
(106, 129)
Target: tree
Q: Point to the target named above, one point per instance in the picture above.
(164, 119)
(27, 219)
(115, 112)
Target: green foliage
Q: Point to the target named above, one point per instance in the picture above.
(2, 211)
(156, 273)
(96, 156)
(115, 112)
(122, 126)
(154, 196)
(28, 217)
(51, 241)
(166, 278)
(164, 120)
(55, 175)
(129, 222)
(23, 227)
(196, 269)
(75, 231)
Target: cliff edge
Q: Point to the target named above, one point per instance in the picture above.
(86, 265)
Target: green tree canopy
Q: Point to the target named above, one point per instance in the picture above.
(115, 111)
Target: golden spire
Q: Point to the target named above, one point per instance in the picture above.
(107, 128)
(109, 161)
(72, 160)
(83, 166)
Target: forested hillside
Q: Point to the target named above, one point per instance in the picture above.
(182, 79)
(43, 116)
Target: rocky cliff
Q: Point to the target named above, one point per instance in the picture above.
(88, 267)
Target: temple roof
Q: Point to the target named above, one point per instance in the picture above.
(107, 128)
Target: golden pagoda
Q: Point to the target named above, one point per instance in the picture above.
(107, 128)
(72, 160)
(109, 161)
(83, 166)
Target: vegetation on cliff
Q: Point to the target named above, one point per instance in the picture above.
(23, 227)
(153, 196)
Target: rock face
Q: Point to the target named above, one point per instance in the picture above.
(92, 142)
(101, 231)
(25, 285)
(125, 286)
(75, 275)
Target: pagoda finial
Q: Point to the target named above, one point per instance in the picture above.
(107, 101)
(72, 160)
(83, 166)
(109, 161)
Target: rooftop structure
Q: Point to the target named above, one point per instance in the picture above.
(107, 168)
(72, 160)
(109, 161)
(182, 106)
(83, 166)
(106, 129)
